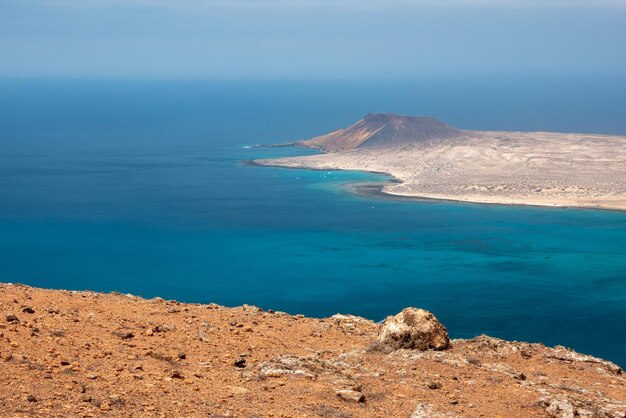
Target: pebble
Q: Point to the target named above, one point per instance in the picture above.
(31, 398)
(28, 309)
(124, 335)
(240, 362)
(433, 385)
(351, 395)
(12, 318)
(85, 398)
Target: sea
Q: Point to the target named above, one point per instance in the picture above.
(142, 187)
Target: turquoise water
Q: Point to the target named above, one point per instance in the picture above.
(140, 188)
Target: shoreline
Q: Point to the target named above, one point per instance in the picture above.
(379, 192)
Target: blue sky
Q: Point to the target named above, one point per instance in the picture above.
(306, 39)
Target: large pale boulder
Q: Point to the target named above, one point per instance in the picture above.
(415, 329)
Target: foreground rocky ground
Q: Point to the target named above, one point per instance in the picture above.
(89, 354)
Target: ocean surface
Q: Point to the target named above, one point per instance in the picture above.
(139, 187)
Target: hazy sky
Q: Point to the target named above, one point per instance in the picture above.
(307, 39)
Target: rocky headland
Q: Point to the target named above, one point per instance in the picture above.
(431, 159)
(70, 353)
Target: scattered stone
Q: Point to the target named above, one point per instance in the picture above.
(176, 375)
(115, 399)
(237, 390)
(182, 356)
(354, 324)
(31, 398)
(558, 407)
(164, 328)
(473, 361)
(124, 335)
(12, 318)
(85, 398)
(203, 337)
(240, 362)
(424, 410)
(351, 395)
(525, 354)
(52, 310)
(57, 333)
(414, 329)
(433, 385)
(28, 310)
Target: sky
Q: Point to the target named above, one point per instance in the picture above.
(308, 39)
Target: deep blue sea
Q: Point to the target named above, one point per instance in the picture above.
(139, 187)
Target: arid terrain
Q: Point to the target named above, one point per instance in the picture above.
(67, 353)
(434, 160)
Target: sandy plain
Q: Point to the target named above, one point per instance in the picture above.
(521, 168)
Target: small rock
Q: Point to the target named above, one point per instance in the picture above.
(57, 333)
(414, 329)
(526, 354)
(53, 310)
(182, 356)
(237, 390)
(240, 362)
(85, 398)
(176, 375)
(351, 395)
(28, 309)
(424, 410)
(164, 328)
(31, 398)
(115, 399)
(12, 318)
(124, 335)
(203, 337)
(433, 385)
(558, 407)
(105, 406)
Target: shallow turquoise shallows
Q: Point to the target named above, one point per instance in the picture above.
(140, 188)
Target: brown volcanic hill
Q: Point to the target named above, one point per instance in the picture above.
(386, 130)
(87, 354)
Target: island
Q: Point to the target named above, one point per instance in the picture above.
(431, 159)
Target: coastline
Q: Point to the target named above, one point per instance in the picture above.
(378, 190)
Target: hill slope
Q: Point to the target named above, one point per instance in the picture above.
(386, 130)
(92, 354)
